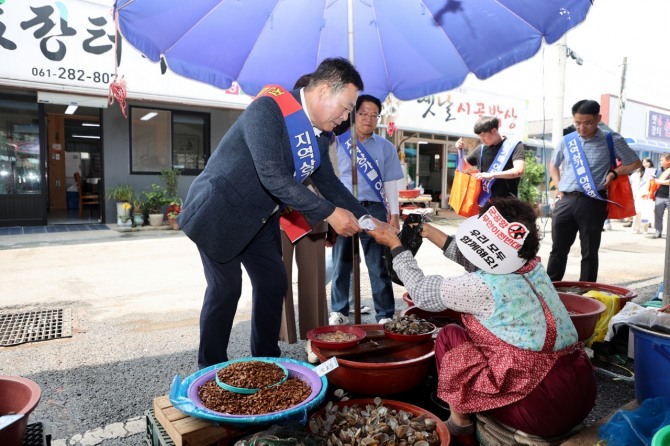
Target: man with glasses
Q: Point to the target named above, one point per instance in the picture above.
(378, 172)
(582, 170)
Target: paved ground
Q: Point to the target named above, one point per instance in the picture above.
(136, 297)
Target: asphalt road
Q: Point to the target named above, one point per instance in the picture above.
(135, 300)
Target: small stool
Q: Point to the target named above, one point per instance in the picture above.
(491, 432)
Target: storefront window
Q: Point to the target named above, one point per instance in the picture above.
(19, 147)
(163, 139)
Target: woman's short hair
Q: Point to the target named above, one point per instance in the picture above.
(514, 209)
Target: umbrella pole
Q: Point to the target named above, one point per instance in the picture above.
(356, 253)
(354, 177)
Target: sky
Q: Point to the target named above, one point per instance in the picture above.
(612, 30)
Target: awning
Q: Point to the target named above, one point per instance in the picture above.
(649, 145)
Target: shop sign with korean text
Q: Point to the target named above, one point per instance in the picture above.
(68, 45)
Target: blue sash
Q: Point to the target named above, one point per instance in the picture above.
(367, 166)
(498, 165)
(581, 166)
(305, 148)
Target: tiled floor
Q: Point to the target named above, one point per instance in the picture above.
(21, 230)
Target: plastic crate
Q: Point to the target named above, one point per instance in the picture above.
(156, 435)
(37, 434)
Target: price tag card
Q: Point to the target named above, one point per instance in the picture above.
(6, 420)
(327, 366)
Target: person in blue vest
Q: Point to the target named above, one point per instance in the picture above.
(500, 160)
(232, 210)
(582, 169)
(378, 174)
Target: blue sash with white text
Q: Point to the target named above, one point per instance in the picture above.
(581, 167)
(305, 150)
(301, 133)
(498, 165)
(367, 166)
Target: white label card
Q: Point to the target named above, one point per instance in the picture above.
(326, 367)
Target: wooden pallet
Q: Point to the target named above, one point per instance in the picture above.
(185, 430)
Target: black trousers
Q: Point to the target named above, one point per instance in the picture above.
(576, 214)
(263, 263)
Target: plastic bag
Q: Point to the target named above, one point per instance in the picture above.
(410, 237)
(635, 314)
(637, 427)
(611, 302)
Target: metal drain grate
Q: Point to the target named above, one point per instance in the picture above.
(19, 328)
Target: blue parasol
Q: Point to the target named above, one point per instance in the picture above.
(411, 48)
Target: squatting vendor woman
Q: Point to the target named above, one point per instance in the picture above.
(516, 356)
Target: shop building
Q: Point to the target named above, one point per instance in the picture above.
(57, 60)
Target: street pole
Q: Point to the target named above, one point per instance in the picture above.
(356, 272)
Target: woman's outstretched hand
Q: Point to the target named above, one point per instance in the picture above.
(386, 236)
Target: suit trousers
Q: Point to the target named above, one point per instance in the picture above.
(310, 258)
(576, 213)
(262, 261)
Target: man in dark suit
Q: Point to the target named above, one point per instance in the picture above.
(232, 208)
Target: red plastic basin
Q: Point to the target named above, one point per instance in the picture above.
(579, 288)
(313, 334)
(409, 193)
(584, 313)
(385, 373)
(20, 396)
(440, 427)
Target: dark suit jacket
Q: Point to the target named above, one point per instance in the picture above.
(247, 176)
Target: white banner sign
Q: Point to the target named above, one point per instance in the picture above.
(455, 113)
(68, 45)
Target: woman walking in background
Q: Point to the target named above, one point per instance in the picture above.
(639, 181)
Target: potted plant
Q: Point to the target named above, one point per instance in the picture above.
(138, 215)
(173, 209)
(124, 217)
(170, 178)
(123, 195)
(154, 200)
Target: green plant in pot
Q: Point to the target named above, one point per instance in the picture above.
(533, 176)
(123, 195)
(123, 216)
(138, 215)
(154, 200)
(170, 178)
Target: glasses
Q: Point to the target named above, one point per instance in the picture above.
(368, 115)
(584, 124)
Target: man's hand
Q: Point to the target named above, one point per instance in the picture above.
(386, 236)
(382, 225)
(343, 222)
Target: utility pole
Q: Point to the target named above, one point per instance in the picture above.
(622, 96)
(557, 124)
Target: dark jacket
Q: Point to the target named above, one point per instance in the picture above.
(247, 176)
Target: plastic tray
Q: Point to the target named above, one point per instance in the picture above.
(247, 390)
(294, 371)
